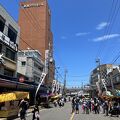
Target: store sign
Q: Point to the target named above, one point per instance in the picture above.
(32, 5)
(7, 41)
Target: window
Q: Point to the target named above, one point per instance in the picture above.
(0, 48)
(23, 63)
(2, 24)
(36, 79)
(8, 72)
(38, 67)
(21, 53)
(10, 54)
(12, 34)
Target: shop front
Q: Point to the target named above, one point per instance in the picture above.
(9, 103)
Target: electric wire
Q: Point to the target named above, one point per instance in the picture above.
(112, 24)
(105, 31)
(111, 20)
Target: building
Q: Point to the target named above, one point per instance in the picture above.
(114, 79)
(104, 70)
(104, 73)
(9, 40)
(35, 24)
(30, 65)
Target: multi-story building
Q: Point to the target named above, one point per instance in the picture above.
(30, 65)
(114, 78)
(35, 24)
(102, 72)
(9, 40)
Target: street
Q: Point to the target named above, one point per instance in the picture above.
(64, 113)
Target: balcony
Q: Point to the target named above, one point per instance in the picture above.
(7, 41)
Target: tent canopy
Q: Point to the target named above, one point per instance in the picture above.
(13, 96)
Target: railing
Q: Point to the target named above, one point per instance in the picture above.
(8, 77)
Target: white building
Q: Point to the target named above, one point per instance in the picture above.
(9, 40)
(30, 64)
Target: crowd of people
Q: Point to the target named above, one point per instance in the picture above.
(96, 106)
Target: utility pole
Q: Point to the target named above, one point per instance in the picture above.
(99, 77)
(64, 87)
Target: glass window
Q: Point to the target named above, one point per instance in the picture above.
(8, 72)
(2, 24)
(12, 34)
(36, 79)
(21, 53)
(10, 54)
(23, 63)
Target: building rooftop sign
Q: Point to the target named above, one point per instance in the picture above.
(32, 5)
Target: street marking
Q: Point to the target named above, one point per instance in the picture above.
(71, 118)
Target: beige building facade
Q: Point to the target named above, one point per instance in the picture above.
(9, 40)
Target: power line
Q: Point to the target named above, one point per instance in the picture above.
(111, 9)
(111, 19)
(114, 19)
(116, 58)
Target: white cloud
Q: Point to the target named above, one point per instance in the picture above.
(106, 37)
(102, 25)
(63, 37)
(82, 34)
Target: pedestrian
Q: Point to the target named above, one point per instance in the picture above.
(83, 106)
(92, 106)
(77, 106)
(89, 104)
(73, 104)
(69, 98)
(96, 107)
(23, 108)
(106, 108)
(103, 107)
(87, 108)
(36, 113)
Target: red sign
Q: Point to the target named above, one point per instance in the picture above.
(21, 79)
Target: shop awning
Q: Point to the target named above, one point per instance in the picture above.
(13, 96)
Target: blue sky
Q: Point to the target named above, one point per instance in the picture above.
(79, 29)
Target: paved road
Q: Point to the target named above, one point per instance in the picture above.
(64, 113)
